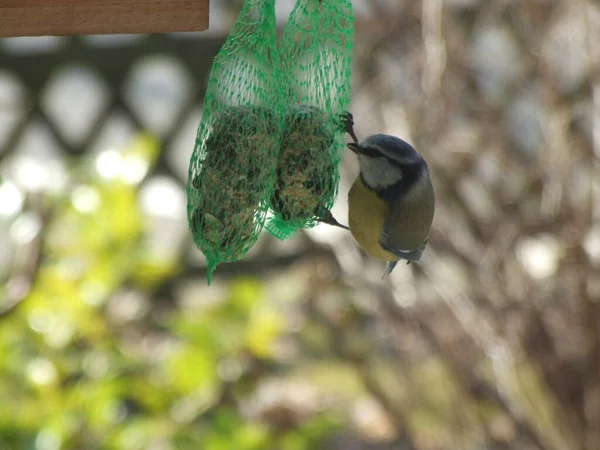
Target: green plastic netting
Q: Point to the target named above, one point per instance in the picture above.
(316, 66)
(233, 165)
(271, 134)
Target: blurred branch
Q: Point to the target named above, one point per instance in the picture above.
(260, 265)
(563, 379)
(434, 45)
(21, 282)
(591, 307)
(360, 364)
(473, 383)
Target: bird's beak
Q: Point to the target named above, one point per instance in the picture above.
(354, 147)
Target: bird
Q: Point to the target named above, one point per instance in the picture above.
(391, 204)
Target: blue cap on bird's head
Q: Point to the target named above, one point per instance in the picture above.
(390, 147)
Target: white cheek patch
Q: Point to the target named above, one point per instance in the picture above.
(378, 172)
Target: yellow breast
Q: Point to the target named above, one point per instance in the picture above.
(365, 218)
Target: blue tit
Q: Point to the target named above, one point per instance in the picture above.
(392, 201)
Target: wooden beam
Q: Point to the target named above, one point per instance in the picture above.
(75, 17)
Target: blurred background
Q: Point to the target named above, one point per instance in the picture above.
(110, 338)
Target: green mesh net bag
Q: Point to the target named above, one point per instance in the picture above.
(232, 168)
(316, 66)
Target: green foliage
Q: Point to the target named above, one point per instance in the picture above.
(72, 376)
(229, 431)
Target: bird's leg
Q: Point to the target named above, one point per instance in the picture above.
(348, 121)
(330, 220)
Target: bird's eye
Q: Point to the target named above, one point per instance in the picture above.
(371, 152)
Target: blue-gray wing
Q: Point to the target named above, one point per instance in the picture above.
(405, 231)
(406, 228)
(409, 254)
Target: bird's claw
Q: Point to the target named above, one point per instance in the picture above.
(330, 220)
(348, 121)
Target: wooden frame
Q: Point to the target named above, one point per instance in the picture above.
(74, 17)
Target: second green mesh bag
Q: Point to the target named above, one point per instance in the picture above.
(233, 164)
(316, 61)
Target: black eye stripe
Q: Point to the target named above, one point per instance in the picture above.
(374, 152)
(371, 152)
